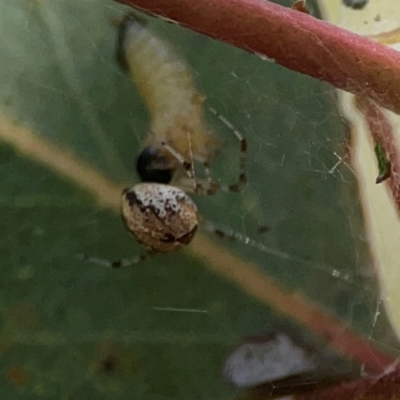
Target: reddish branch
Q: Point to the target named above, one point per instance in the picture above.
(386, 386)
(293, 39)
(382, 132)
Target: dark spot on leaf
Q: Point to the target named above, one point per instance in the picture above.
(17, 376)
(108, 364)
(263, 229)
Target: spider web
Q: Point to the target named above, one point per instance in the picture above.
(164, 328)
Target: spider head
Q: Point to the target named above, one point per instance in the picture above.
(153, 166)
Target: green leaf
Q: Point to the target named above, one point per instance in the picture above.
(383, 163)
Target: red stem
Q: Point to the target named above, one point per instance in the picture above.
(293, 39)
(383, 132)
(386, 386)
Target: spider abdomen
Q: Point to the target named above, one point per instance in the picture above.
(162, 218)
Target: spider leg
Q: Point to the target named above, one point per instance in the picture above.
(207, 185)
(241, 182)
(201, 186)
(124, 262)
(187, 166)
(191, 183)
(222, 234)
(211, 185)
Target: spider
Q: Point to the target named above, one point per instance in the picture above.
(158, 212)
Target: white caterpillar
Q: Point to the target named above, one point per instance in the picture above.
(166, 84)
